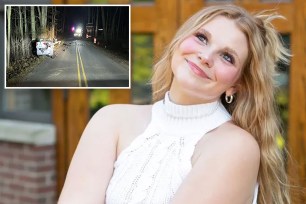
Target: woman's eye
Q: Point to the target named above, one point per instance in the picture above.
(228, 57)
(201, 37)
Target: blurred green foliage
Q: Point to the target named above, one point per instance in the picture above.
(98, 98)
(282, 96)
(282, 99)
(142, 57)
(142, 61)
(280, 141)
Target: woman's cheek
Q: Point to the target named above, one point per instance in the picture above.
(188, 45)
(227, 75)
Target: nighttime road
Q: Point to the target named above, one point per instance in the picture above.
(93, 53)
(79, 63)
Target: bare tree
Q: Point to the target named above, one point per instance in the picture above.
(64, 19)
(8, 37)
(33, 29)
(25, 20)
(43, 11)
(53, 22)
(104, 25)
(113, 25)
(44, 17)
(119, 23)
(21, 31)
(26, 38)
(97, 22)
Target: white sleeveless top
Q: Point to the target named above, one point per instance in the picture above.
(153, 167)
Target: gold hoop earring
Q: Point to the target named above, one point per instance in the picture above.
(229, 99)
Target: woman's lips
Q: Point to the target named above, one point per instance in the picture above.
(197, 70)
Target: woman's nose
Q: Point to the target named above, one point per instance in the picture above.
(206, 58)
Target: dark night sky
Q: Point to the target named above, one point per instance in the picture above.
(79, 16)
(74, 16)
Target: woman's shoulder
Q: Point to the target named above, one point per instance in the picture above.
(235, 135)
(227, 155)
(128, 120)
(225, 163)
(121, 122)
(126, 117)
(116, 117)
(235, 139)
(231, 142)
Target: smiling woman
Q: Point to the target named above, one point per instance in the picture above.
(209, 55)
(210, 136)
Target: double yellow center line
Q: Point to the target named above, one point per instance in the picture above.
(80, 65)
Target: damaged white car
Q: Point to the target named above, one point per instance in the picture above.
(45, 47)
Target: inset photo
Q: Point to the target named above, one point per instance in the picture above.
(67, 46)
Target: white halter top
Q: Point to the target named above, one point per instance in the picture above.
(152, 168)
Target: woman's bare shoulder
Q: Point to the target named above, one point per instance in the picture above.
(130, 121)
(233, 139)
(226, 156)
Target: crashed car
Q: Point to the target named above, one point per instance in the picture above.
(45, 47)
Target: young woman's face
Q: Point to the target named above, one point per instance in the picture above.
(209, 62)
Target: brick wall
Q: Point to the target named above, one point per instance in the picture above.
(27, 173)
(27, 163)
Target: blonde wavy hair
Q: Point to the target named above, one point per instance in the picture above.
(254, 107)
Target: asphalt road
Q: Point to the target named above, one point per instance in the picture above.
(79, 63)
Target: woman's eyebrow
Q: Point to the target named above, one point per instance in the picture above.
(208, 34)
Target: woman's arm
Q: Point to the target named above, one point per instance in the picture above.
(92, 164)
(225, 171)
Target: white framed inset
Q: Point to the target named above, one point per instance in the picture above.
(72, 46)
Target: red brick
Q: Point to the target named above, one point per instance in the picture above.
(3, 144)
(15, 148)
(27, 199)
(7, 175)
(27, 157)
(7, 195)
(15, 145)
(16, 187)
(32, 179)
(19, 166)
(46, 168)
(6, 154)
(43, 148)
(46, 189)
